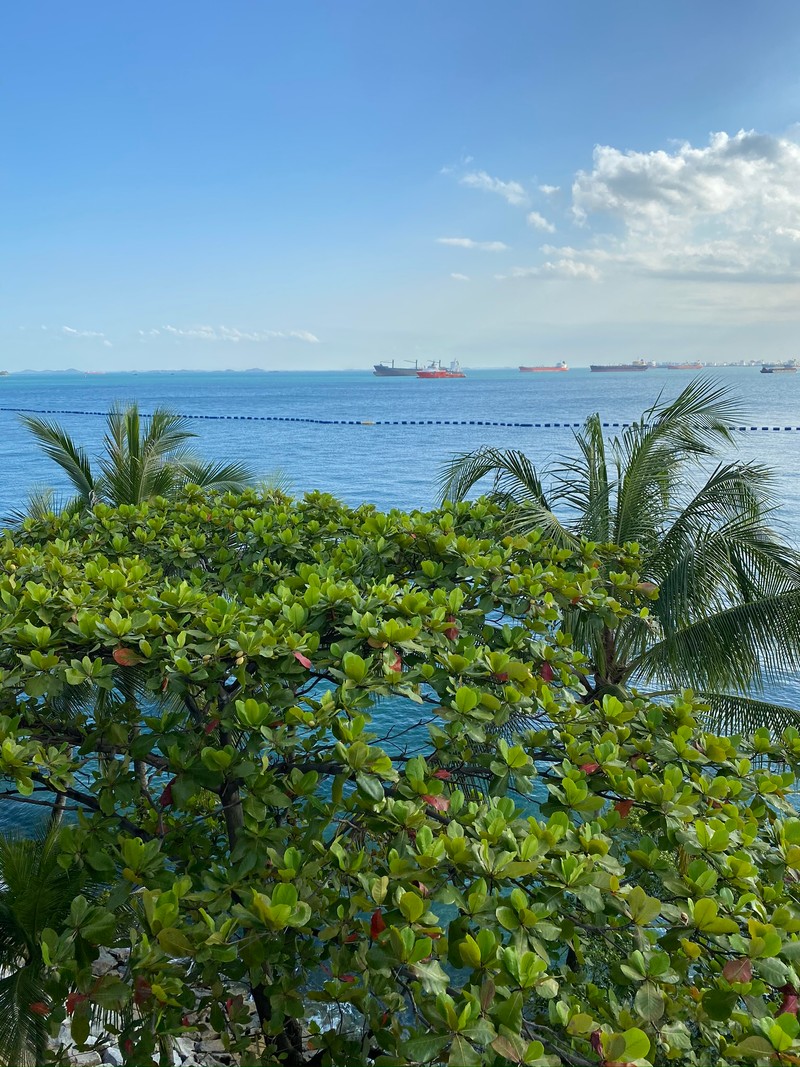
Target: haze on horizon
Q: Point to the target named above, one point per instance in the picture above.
(197, 185)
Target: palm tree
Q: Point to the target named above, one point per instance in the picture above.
(144, 457)
(726, 620)
(35, 893)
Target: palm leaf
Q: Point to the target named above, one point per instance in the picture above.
(215, 474)
(73, 460)
(732, 713)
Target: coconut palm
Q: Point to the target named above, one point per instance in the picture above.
(726, 620)
(144, 457)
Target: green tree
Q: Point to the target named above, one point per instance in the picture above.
(143, 457)
(298, 835)
(725, 611)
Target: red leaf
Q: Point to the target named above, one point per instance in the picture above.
(39, 1007)
(350, 939)
(789, 1002)
(376, 924)
(302, 659)
(347, 978)
(423, 889)
(398, 664)
(165, 800)
(127, 1044)
(546, 672)
(126, 657)
(443, 774)
(142, 990)
(590, 768)
(452, 632)
(73, 1000)
(185, 1020)
(595, 1042)
(502, 677)
(738, 971)
(624, 808)
(228, 1005)
(210, 726)
(439, 803)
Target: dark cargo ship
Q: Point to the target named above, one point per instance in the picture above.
(639, 364)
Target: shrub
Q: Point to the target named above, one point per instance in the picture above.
(223, 688)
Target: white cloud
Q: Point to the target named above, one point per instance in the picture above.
(549, 190)
(563, 267)
(70, 332)
(460, 277)
(539, 222)
(467, 242)
(725, 210)
(512, 191)
(235, 335)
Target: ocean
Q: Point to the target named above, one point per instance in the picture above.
(388, 465)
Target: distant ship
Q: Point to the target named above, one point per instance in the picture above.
(538, 370)
(436, 370)
(639, 364)
(684, 366)
(780, 368)
(388, 370)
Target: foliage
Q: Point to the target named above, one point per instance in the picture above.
(35, 894)
(144, 457)
(242, 653)
(727, 613)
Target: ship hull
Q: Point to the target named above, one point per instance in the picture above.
(394, 372)
(543, 370)
(439, 374)
(618, 368)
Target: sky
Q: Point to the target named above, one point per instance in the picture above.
(324, 185)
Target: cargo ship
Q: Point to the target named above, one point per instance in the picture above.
(638, 364)
(388, 370)
(780, 368)
(540, 370)
(684, 366)
(436, 370)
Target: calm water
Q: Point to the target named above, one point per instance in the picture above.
(387, 465)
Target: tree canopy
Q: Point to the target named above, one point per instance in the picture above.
(223, 688)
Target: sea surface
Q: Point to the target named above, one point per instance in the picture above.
(390, 466)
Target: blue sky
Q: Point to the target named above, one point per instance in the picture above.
(326, 184)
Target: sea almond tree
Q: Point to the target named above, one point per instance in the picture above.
(379, 821)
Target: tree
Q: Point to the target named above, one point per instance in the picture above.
(288, 838)
(144, 457)
(725, 611)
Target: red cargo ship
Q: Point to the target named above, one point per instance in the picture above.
(436, 370)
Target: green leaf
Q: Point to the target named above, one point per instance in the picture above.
(649, 1002)
(425, 1048)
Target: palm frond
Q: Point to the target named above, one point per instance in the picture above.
(59, 446)
(653, 453)
(215, 474)
(732, 713)
(733, 649)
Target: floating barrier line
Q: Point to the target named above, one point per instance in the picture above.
(389, 422)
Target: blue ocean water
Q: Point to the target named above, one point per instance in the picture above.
(391, 466)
